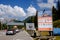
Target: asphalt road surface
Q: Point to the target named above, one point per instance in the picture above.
(22, 35)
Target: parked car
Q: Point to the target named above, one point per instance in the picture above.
(17, 30)
(10, 32)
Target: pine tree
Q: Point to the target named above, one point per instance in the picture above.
(0, 25)
(58, 6)
(54, 13)
(36, 20)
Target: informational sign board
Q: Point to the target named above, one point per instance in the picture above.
(45, 22)
(30, 26)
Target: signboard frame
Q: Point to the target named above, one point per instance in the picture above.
(30, 26)
(45, 22)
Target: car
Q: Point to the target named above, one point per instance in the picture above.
(17, 30)
(10, 32)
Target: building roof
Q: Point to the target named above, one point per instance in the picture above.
(15, 23)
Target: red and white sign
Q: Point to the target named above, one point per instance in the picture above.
(45, 23)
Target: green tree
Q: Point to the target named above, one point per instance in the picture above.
(0, 25)
(58, 11)
(54, 14)
(36, 19)
(4, 26)
(56, 23)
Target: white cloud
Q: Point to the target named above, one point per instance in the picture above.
(56, 0)
(46, 5)
(7, 10)
(50, 1)
(49, 4)
(31, 11)
(2, 20)
(19, 11)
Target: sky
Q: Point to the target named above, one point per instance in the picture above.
(21, 9)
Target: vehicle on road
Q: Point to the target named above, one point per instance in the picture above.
(10, 32)
(17, 30)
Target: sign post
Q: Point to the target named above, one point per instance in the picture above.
(45, 22)
(30, 28)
